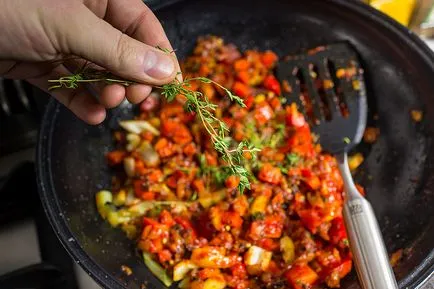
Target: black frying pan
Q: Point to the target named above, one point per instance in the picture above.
(398, 172)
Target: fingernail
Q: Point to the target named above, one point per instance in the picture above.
(158, 65)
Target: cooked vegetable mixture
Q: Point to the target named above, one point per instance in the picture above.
(175, 196)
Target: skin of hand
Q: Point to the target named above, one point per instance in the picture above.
(48, 39)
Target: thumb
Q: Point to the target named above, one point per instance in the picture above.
(94, 39)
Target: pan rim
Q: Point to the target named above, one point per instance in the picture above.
(415, 279)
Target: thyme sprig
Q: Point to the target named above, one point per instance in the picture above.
(197, 102)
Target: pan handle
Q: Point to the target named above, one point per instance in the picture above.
(366, 242)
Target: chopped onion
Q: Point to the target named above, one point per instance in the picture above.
(129, 166)
(138, 126)
(149, 156)
(133, 141)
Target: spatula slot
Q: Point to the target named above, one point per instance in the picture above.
(320, 84)
(337, 77)
(302, 76)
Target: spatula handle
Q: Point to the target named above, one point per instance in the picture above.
(366, 242)
(369, 253)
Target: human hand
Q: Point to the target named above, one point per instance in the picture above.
(40, 36)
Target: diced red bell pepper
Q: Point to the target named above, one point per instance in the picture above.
(271, 83)
(301, 276)
(337, 231)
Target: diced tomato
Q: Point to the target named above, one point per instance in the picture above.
(204, 70)
(206, 273)
(275, 103)
(268, 244)
(177, 131)
(199, 185)
(332, 276)
(270, 227)
(115, 157)
(141, 191)
(301, 276)
(263, 114)
(337, 231)
(241, 89)
(300, 142)
(294, 117)
(172, 110)
(269, 58)
(164, 148)
(313, 182)
(172, 181)
(243, 76)
(164, 256)
(344, 268)
(241, 64)
(166, 218)
(232, 182)
(329, 257)
(270, 174)
(310, 218)
(155, 176)
(240, 205)
(273, 226)
(211, 158)
(190, 149)
(149, 221)
(239, 270)
(271, 83)
(208, 90)
(147, 196)
(232, 219)
(186, 224)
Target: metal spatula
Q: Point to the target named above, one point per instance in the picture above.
(328, 86)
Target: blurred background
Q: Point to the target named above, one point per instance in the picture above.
(417, 15)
